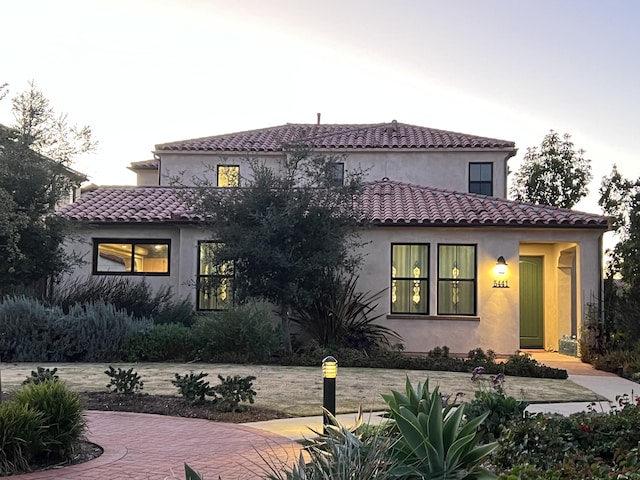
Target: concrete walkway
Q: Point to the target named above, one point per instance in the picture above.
(155, 447)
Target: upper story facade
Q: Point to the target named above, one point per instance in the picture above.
(394, 151)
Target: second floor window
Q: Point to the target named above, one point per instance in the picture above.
(335, 173)
(481, 178)
(215, 278)
(228, 176)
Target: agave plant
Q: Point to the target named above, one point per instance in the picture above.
(344, 317)
(432, 440)
(340, 453)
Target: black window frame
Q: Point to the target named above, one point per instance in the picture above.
(218, 167)
(335, 173)
(477, 185)
(200, 277)
(424, 279)
(133, 242)
(441, 280)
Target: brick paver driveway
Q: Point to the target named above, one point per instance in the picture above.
(155, 447)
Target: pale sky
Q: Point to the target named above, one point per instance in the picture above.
(146, 72)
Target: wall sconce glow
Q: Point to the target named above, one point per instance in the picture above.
(501, 266)
(500, 270)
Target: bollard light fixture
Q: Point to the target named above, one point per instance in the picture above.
(329, 374)
(329, 367)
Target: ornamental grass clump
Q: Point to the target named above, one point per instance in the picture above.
(41, 424)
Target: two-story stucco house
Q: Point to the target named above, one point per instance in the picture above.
(462, 265)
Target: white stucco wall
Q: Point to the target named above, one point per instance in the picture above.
(498, 309)
(446, 170)
(496, 325)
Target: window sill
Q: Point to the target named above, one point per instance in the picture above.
(448, 318)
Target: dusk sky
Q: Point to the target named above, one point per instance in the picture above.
(147, 72)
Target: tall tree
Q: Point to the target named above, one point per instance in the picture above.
(35, 154)
(555, 174)
(620, 200)
(286, 229)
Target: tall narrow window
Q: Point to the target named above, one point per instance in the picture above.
(456, 280)
(215, 278)
(228, 176)
(481, 178)
(130, 257)
(410, 278)
(335, 173)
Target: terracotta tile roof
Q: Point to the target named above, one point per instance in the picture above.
(379, 135)
(129, 205)
(395, 203)
(385, 203)
(144, 165)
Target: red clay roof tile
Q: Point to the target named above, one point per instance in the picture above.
(381, 135)
(384, 202)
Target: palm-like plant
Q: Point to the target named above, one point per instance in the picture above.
(343, 317)
(433, 441)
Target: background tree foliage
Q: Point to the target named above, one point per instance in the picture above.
(555, 174)
(620, 200)
(287, 229)
(35, 153)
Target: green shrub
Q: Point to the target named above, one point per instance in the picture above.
(124, 381)
(436, 360)
(245, 331)
(22, 436)
(31, 332)
(548, 440)
(192, 387)
(166, 342)
(41, 375)
(233, 390)
(62, 414)
(134, 296)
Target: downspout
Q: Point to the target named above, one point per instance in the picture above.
(511, 154)
(600, 273)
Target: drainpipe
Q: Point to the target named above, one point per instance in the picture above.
(509, 155)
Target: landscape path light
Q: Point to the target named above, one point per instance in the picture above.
(329, 374)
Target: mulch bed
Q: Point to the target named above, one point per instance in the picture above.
(174, 406)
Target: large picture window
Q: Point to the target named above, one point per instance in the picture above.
(215, 278)
(131, 257)
(456, 280)
(228, 176)
(481, 178)
(410, 278)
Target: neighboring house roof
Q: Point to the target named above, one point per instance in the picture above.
(144, 165)
(385, 202)
(320, 136)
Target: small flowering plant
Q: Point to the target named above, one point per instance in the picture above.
(490, 397)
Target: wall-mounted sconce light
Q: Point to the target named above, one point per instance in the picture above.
(500, 270)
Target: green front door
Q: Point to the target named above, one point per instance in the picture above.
(531, 303)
